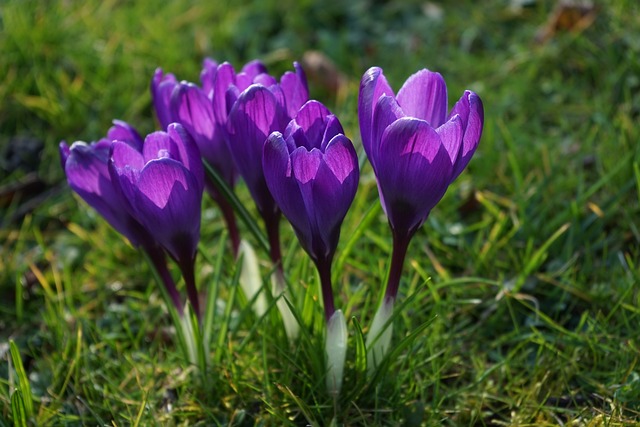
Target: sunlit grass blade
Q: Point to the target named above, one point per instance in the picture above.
(18, 410)
(242, 212)
(23, 380)
(225, 321)
(213, 289)
(354, 236)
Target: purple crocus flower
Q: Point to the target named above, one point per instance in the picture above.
(161, 88)
(416, 147)
(263, 107)
(312, 173)
(86, 168)
(163, 183)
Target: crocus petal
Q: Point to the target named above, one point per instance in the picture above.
(64, 150)
(208, 75)
(124, 155)
(168, 205)
(194, 110)
(414, 172)
(88, 175)
(253, 117)
(225, 77)
(254, 68)
(451, 136)
(264, 79)
(327, 182)
(333, 190)
(333, 128)
(372, 86)
(471, 112)
(296, 92)
(424, 96)
(312, 120)
(124, 169)
(386, 112)
(305, 165)
(123, 131)
(189, 152)
(159, 145)
(161, 87)
(279, 177)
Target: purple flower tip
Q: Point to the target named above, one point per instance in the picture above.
(415, 147)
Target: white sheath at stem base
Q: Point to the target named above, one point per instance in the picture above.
(336, 350)
(279, 289)
(250, 278)
(186, 323)
(378, 340)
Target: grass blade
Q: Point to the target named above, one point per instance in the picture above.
(23, 380)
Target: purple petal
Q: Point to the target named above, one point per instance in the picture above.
(123, 131)
(296, 92)
(312, 119)
(208, 75)
(124, 169)
(414, 171)
(372, 86)
(63, 148)
(124, 155)
(158, 145)
(328, 182)
(254, 68)
(278, 175)
(333, 128)
(194, 110)
(342, 160)
(88, 175)
(386, 112)
(189, 152)
(161, 87)
(253, 117)
(168, 204)
(471, 112)
(264, 79)
(424, 96)
(451, 137)
(225, 77)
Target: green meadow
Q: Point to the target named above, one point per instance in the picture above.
(519, 304)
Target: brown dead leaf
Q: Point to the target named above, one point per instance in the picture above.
(568, 15)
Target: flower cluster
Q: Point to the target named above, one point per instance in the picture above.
(294, 157)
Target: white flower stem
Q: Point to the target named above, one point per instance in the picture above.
(280, 292)
(336, 351)
(250, 278)
(379, 335)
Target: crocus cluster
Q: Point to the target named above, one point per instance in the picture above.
(150, 191)
(294, 157)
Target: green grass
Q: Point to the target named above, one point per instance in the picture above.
(522, 285)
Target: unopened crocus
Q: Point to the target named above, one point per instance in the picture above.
(163, 184)
(86, 168)
(417, 148)
(312, 172)
(162, 85)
